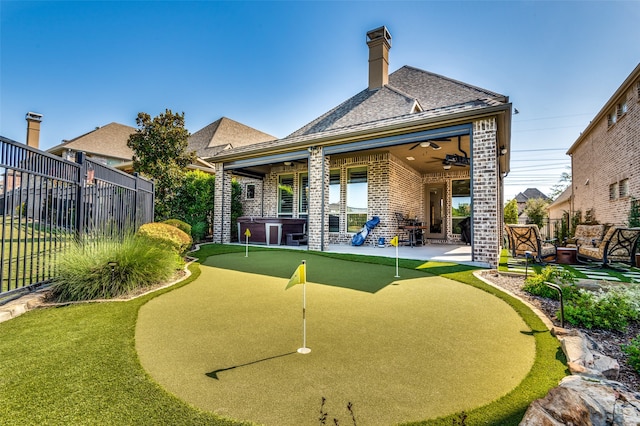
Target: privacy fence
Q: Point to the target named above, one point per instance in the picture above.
(47, 203)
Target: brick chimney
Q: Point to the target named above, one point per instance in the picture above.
(379, 42)
(33, 129)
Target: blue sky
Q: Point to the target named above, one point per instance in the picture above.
(277, 65)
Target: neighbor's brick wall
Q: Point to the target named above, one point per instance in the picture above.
(486, 193)
(222, 206)
(608, 155)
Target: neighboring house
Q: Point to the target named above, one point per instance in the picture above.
(560, 206)
(523, 197)
(413, 142)
(106, 144)
(223, 134)
(605, 159)
(528, 194)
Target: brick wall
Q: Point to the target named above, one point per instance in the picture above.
(443, 180)
(486, 194)
(251, 207)
(608, 155)
(222, 206)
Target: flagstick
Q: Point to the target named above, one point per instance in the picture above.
(304, 349)
(397, 276)
(247, 246)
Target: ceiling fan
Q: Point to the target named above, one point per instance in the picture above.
(456, 159)
(430, 143)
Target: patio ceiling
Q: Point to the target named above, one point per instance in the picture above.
(420, 158)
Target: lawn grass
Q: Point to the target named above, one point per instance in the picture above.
(78, 365)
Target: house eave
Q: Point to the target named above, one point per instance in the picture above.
(625, 86)
(394, 129)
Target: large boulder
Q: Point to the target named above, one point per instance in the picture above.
(585, 356)
(580, 400)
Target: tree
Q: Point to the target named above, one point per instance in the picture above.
(563, 183)
(160, 152)
(511, 211)
(536, 211)
(193, 202)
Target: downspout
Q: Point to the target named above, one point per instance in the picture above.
(322, 206)
(471, 190)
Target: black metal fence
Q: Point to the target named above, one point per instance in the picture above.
(47, 203)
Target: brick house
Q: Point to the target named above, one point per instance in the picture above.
(413, 142)
(605, 159)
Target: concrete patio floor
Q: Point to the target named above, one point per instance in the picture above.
(453, 253)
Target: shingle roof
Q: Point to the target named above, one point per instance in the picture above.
(222, 134)
(109, 141)
(407, 86)
(530, 193)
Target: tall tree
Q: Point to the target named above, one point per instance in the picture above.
(160, 152)
(563, 183)
(511, 211)
(536, 211)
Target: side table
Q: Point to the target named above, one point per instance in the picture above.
(567, 255)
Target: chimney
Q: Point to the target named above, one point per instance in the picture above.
(33, 129)
(379, 42)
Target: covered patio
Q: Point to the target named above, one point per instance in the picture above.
(452, 253)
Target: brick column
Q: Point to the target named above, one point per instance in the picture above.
(222, 206)
(486, 193)
(318, 220)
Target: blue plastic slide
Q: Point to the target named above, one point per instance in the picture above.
(359, 238)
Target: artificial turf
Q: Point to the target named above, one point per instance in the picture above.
(78, 364)
(412, 348)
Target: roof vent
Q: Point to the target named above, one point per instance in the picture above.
(379, 42)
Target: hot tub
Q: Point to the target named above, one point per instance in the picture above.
(269, 230)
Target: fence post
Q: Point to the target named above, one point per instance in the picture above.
(80, 197)
(135, 201)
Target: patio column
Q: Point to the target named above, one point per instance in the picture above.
(486, 191)
(222, 206)
(318, 222)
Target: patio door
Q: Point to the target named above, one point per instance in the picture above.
(434, 211)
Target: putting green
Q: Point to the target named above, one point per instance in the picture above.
(400, 350)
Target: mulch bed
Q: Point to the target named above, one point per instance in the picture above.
(610, 341)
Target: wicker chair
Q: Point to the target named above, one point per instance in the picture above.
(526, 238)
(619, 245)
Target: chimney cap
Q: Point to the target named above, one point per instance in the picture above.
(34, 116)
(379, 33)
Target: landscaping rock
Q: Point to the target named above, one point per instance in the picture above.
(584, 356)
(585, 401)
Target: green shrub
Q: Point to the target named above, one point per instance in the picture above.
(183, 226)
(199, 231)
(85, 273)
(610, 310)
(633, 352)
(166, 235)
(535, 283)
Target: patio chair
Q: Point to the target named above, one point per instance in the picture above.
(618, 245)
(526, 238)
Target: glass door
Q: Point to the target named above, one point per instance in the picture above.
(434, 212)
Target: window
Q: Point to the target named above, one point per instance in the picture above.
(612, 118)
(285, 195)
(357, 195)
(613, 191)
(622, 108)
(334, 201)
(303, 194)
(460, 203)
(250, 191)
(624, 188)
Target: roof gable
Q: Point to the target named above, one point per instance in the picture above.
(407, 88)
(223, 134)
(108, 141)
